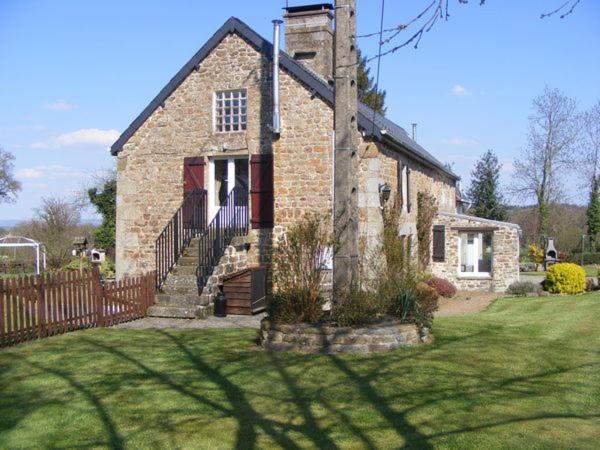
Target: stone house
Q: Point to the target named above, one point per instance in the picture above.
(208, 137)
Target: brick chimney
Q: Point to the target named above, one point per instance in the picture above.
(309, 36)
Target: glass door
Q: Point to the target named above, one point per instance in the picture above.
(225, 174)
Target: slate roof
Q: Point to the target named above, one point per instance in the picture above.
(380, 128)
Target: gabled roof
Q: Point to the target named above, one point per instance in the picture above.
(373, 125)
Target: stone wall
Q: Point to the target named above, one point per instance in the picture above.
(505, 247)
(150, 166)
(378, 165)
(378, 337)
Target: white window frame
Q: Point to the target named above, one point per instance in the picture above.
(215, 98)
(477, 244)
(213, 208)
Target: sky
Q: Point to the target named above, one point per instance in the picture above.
(74, 74)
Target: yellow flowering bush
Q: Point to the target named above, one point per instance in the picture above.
(565, 278)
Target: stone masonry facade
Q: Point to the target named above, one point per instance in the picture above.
(505, 253)
(150, 166)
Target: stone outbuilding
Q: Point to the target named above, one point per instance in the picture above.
(202, 163)
(474, 253)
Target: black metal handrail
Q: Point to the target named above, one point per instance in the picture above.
(231, 220)
(187, 223)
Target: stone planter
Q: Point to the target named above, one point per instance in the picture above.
(378, 337)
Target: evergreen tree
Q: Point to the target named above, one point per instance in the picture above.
(593, 211)
(367, 91)
(105, 202)
(484, 192)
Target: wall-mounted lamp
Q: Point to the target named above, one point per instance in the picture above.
(384, 193)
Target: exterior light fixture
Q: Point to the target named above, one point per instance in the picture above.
(384, 193)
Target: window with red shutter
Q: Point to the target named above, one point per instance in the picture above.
(261, 191)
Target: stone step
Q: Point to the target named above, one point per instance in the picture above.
(188, 261)
(180, 299)
(180, 312)
(183, 270)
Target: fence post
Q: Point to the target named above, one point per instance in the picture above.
(41, 304)
(98, 296)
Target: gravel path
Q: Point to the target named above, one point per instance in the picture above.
(210, 322)
(465, 303)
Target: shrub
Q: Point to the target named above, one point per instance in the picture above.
(107, 268)
(590, 285)
(536, 254)
(356, 307)
(522, 288)
(443, 287)
(299, 268)
(426, 303)
(565, 278)
(296, 305)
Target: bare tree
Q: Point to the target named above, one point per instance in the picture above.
(56, 224)
(8, 185)
(553, 134)
(590, 146)
(433, 12)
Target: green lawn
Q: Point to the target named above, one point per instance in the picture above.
(523, 374)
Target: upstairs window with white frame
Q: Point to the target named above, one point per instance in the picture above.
(230, 111)
(476, 253)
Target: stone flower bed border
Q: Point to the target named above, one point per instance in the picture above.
(307, 338)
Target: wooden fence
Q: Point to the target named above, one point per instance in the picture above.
(33, 307)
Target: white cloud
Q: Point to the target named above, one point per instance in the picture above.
(460, 91)
(50, 172)
(87, 137)
(459, 142)
(29, 174)
(59, 105)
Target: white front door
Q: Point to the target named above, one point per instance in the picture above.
(224, 174)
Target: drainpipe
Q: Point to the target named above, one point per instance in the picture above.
(276, 117)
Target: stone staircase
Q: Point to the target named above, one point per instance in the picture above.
(179, 294)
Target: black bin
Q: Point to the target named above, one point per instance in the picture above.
(220, 305)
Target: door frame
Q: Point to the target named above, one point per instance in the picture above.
(212, 207)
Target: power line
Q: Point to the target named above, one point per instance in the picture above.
(379, 58)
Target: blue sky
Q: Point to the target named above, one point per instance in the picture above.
(74, 74)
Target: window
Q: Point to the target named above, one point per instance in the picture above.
(230, 111)
(476, 253)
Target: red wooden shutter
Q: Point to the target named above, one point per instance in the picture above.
(193, 173)
(261, 191)
(439, 243)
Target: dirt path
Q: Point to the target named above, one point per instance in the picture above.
(465, 303)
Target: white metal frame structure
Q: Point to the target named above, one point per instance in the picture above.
(10, 241)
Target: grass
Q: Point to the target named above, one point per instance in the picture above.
(525, 373)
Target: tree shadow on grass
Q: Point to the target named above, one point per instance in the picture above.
(369, 377)
(115, 441)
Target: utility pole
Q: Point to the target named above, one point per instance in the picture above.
(345, 187)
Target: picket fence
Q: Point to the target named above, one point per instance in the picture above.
(34, 307)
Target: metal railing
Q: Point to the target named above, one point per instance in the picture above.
(231, 221)
(187, 223)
